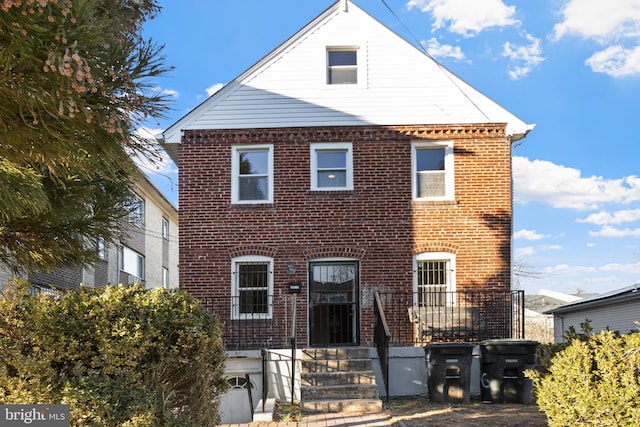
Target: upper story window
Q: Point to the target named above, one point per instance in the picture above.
(331, 167)
(434, 279)
(165, 228)
(252, 287)
(165, 277)
(252, 174)
(101, 248)
(131, 262)
(432, 170)
(136, 210)
(342, 66)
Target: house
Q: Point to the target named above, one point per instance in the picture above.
(538, 325)
(344, 168)
(617, 310)
(148, 255)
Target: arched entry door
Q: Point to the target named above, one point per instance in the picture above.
(333, 303)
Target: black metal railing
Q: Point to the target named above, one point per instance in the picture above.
(294, 346)
(381, 339)
(411, 319)
(245, 330)
(466, 316)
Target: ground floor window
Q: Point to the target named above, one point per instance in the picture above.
(434, 279)
(252, 279)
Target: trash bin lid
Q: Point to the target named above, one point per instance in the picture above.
(460, 348)
(509, 345)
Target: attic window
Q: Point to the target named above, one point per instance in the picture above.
(342, 66)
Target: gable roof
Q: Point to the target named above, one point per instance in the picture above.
(620, 295)
(398, 84)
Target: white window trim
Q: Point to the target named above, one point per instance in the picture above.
(449, 183)
(436, 256)
(361, 66)
(235, 171)
(165, 228)
(131, 262)
(235, 291)
(340, 146)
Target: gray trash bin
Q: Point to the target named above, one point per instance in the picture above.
(502, 366)
(449, 372)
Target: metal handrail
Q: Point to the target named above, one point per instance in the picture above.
(293, 346)
(382, 337)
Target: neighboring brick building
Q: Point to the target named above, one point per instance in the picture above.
(344, 162)
(148, 255)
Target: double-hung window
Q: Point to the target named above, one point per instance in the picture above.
(252, 278)
(165, 228)
(434, 279)
(432, 170)
(131, 262)
(252, 174)
(342, 66)
(136, 210)
(331, 167)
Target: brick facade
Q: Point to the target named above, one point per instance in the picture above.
(377, 223)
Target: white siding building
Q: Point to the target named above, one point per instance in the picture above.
(617, 310)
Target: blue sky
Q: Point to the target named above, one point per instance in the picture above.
(571, 67)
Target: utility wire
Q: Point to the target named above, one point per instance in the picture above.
(446, 72)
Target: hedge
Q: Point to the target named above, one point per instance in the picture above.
(594, 381)
(118, 356)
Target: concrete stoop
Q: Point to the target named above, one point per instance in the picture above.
(338, 380)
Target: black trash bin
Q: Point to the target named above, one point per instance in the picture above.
(502, 366)
(449, 372)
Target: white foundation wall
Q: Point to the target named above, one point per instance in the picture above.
(407, 373)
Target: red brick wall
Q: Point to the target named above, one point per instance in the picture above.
(377, 222)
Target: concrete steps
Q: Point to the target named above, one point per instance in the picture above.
(338, 380)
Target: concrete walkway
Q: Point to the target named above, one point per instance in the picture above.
(383, 419)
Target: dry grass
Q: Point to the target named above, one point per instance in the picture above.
(418, 411)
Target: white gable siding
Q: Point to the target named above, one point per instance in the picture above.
(619, 317)
(397, 85)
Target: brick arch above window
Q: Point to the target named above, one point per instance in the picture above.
(423, 247)
(334, 252)
(245, 250)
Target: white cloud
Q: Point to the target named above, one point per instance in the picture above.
(467, 17)
(161, 162)
(528, 56)
(614, 25)
(167, 92)
(524, 252)
(438, 50)
(527, 235)
(617, 217)
(608, 231)
(214, 88)
(564, 187)
(591, 245)
(600, 20)
(616, 61)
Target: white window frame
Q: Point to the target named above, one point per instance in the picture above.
(341, 146)
(361, 68)
(101, 248)
(131, 262)
(165, 228)
(235, 172)
(165, 277)
(357, 67)
(451, 277)
(136, 214)
(449, 182)
(235, 288)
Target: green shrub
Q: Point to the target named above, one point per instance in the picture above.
(119, 356)
(594, 381)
